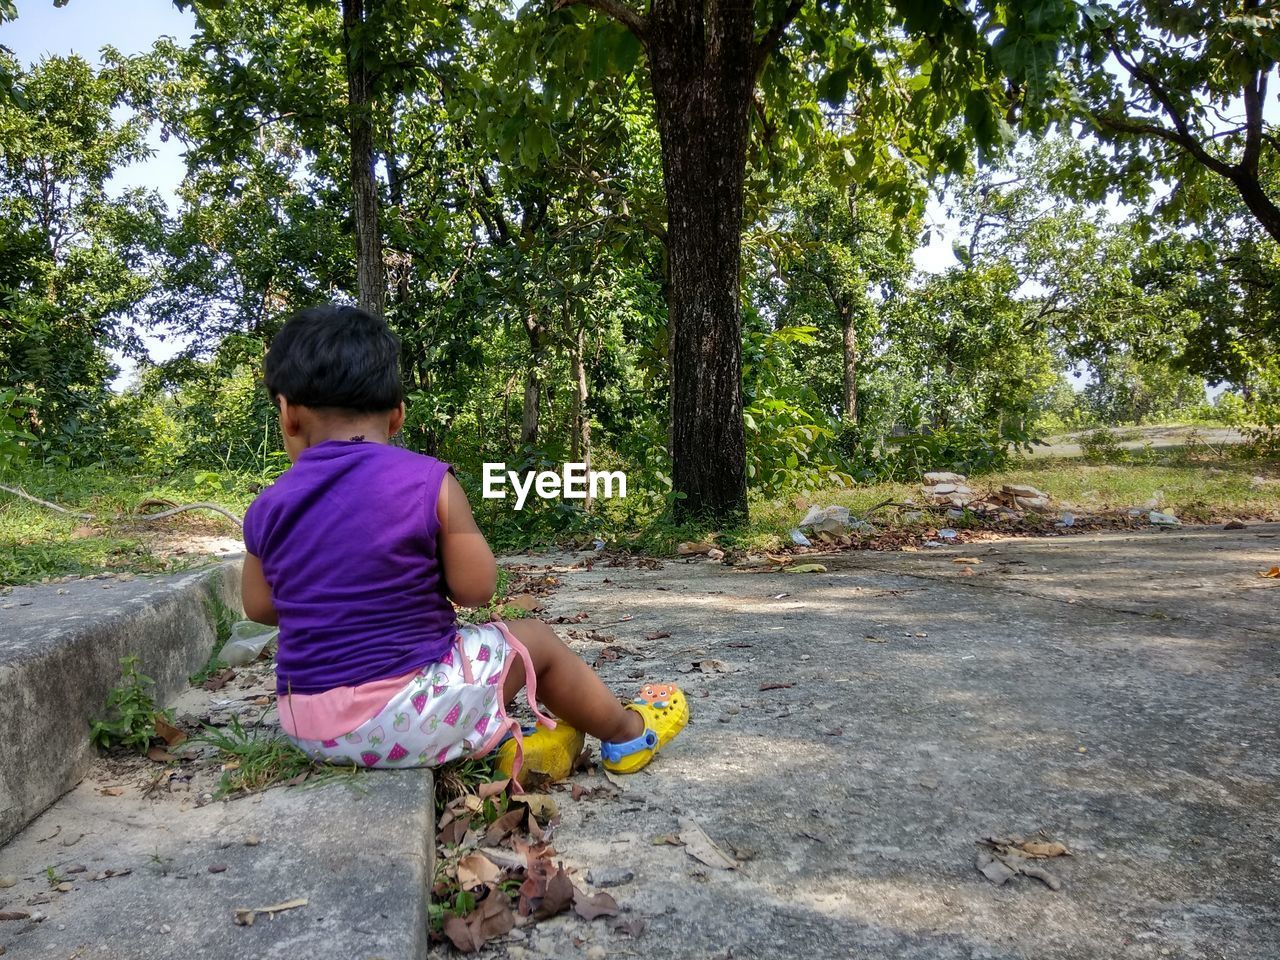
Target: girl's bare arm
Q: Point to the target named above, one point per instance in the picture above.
(470, 572)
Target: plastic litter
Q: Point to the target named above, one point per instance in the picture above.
(1163, 519)
(833, 520)
(1068, 520)
(247, 641)
(800, 540)
(947, 534)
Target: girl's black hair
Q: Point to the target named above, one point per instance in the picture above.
(338, 358)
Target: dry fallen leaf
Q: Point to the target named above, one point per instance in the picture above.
(973, 560)
(160, 755)
(167, 732)
(546, 891)
(111, 791)
(689, 548)
(539, 804)
(525, 601)
(1000, 858)
(476, 870)
(1272, 574)
(493, 788)
(499, 829)
(588, 908)
(491, 918)
(702, 848)
(1044, 848)
(244, 916)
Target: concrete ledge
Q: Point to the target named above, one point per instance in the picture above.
(359, 852)
(60, 650)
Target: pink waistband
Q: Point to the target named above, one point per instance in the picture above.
(333, 713)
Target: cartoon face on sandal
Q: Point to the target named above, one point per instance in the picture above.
(658, 694)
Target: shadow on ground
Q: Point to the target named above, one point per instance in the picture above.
(1117, 692)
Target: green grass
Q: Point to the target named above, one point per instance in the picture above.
(258, 760)
(223, 619)
(1202, 492)
(38, 543)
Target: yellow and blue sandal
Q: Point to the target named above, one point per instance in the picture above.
(665, 711)
(550, 753)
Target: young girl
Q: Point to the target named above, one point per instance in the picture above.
(356, 552)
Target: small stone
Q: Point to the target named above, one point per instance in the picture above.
(252, 840)
(8, 881)
(65, 887)
(609, 876)
(165, 928)
(217, 868)
(598, 953)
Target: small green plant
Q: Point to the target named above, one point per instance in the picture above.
(461, 777)
(1101, 446)
(53, 876)
(131, 711)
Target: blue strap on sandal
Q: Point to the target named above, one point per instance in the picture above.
(614, 752)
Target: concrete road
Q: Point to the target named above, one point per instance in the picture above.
(1139, 438)
(1117, 692)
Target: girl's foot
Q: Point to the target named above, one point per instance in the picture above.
(665, 712)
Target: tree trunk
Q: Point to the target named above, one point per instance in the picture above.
(532, 381)
(370, 280)
(580, 442)
(1259, 204)
(702, 61)
(850, 366)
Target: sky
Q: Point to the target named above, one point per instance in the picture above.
(85, 27)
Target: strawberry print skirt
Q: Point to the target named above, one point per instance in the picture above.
(452, 708)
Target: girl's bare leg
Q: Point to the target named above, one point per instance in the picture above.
(568, 686)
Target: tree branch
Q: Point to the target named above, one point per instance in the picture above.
(1181, 135)
(616, 10)
(769, 42)
(1255, 94)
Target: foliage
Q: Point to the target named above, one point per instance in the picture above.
(527, 252)
(131, 712)
(14, 438)
(38, 543)
(71, 254)
(1176, 93)
(789, 440)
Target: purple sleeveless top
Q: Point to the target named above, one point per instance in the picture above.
(347, 539)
